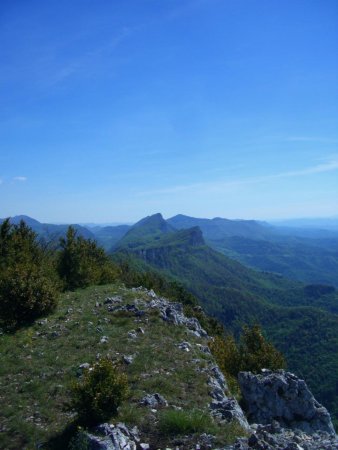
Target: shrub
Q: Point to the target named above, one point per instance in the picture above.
(97, 397)
(79, 441)
(253, 353)
(257, 353)
(28, 283)
(227, 355)
(25, 294)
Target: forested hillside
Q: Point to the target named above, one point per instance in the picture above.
(297, 317)
(308, 255)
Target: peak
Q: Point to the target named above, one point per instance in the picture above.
(154, 218)
(28, 220)
(154, 223)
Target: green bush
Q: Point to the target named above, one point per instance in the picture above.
(25, 294)
(97, 397)
(253, 353)
(183, 422)
(79, 441)
(28, 283)
(257, 353)
(81, 262)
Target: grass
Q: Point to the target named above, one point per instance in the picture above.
(38, 363)
(178, 422)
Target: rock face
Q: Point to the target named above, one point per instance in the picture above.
(222, 407)
(283, 397)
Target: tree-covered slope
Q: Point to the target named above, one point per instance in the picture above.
(306, 255)
(295, 317)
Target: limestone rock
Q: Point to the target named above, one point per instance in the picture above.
(113, 437)
(222, 407)
(283, 397)
(273, 437)
(154, 400)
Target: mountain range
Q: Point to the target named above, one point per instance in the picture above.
(303, 254)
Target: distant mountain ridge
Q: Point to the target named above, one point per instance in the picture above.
(50, 232)
(218, 228)
(308, 255)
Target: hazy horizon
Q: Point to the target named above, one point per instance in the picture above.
(121, 222)
(112, 111)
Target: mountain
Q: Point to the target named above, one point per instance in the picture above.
(218, 228)
(48, 232)
(302, 320)
(306, 255)
(147, 229)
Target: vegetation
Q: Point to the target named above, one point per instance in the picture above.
(28, 283)
(256, 353)
(42, 360)
(253, 353)
(178, 422)
(305, 255)
(82, 263)
(97, 397)
(306, 260)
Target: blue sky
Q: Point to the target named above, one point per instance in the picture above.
(114, 110)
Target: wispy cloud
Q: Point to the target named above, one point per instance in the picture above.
(223, 186)
(311, 139)
(20, 179)
(86, 63)
(319, 168)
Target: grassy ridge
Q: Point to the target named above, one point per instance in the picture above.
(39, 362)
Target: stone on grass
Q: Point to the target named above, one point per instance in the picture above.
(153, 400)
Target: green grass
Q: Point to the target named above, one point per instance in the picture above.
(177, 422)
(38, 363)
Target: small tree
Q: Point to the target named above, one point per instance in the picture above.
(257, 353)
(253, 353)
(82, 263)
(97, 397)
(28, 283)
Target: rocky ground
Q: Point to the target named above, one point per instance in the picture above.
(170, 369)
(306, 424)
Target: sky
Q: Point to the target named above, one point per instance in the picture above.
(114, 110)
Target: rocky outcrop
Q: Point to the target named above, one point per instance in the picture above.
(273, 437)
(283, 397)
(154, 400)
(113, 437)
(222, 407)
(289, 417)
